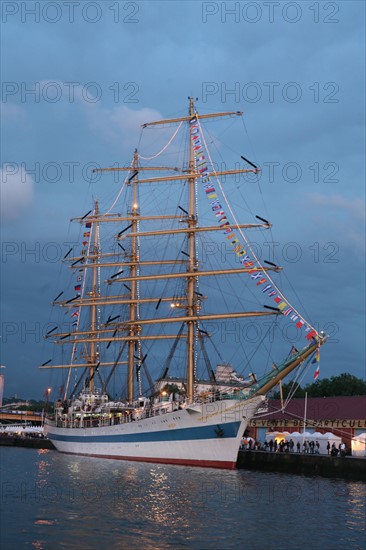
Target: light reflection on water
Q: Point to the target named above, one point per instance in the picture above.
(355, 513)
(51, 500)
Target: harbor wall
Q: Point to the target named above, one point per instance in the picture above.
(27, 442)
(347, 467)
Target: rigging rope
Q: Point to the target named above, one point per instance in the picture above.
(74, 346)
(120, 191)
(119, 194)
(165, 146)
(144, 158)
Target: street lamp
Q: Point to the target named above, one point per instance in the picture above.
(2, 385)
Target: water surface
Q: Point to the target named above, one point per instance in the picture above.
(50, 500)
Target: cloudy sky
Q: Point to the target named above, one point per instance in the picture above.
(79, 78)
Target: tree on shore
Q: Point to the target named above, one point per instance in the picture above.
(343, 385)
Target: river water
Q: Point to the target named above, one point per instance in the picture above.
(55, 501)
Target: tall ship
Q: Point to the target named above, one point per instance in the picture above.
(154, 365)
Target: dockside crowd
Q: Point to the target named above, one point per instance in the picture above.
(284, 446)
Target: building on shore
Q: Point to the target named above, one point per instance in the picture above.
(343, 416)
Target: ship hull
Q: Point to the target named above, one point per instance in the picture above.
(206, 435)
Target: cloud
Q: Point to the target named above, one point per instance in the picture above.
(340, 219)
(119, 124)
(353, 207)
(11, 111)
(16, 192)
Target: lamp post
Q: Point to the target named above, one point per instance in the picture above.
(48, 392)
(2, 382)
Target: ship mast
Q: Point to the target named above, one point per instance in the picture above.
(134, 258)
(191, 281)
(94, 294)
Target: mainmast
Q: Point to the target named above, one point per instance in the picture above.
(191, 281)
(134, 258)
(94, 294)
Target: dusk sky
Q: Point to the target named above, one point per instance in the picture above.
(78, 80)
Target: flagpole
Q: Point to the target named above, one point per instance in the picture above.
(305, 412)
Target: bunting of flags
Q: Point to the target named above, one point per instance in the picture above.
(259, 277)
(316, 361)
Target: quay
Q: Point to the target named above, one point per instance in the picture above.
(21, 416)
(27, 442)
(347, 467)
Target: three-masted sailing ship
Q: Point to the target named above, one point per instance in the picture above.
(160, 317)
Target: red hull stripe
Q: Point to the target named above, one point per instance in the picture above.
(226, 465)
